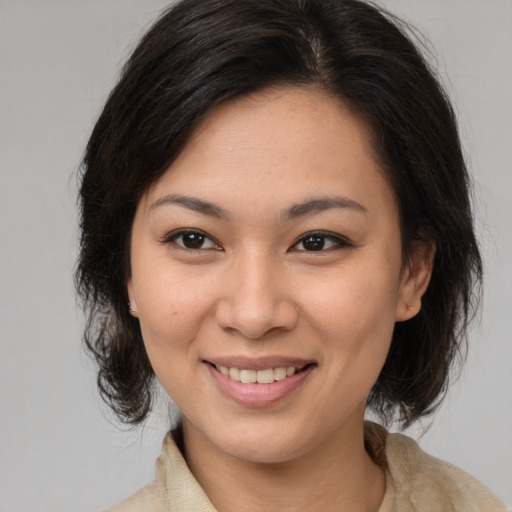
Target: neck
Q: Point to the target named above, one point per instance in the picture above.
(337, 475)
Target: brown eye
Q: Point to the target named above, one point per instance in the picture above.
(193, 240)
(316, 242)
(313, 243)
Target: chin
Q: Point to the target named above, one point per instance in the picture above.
(263, 445)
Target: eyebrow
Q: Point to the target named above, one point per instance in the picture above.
(311, 206)
(320, 204)
(192, 203)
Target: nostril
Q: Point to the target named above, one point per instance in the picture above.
(254, 320)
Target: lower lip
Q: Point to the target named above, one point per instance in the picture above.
(258, 395)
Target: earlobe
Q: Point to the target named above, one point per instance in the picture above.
(132, 305)
(415, 280)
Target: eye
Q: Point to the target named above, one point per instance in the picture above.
(319, 241)
(192, 240)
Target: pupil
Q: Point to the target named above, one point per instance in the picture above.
(314, 243)
(193, 240)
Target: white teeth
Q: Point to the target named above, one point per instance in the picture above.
(234, 373)
(248, 376)
(266, 376)
(280, 373)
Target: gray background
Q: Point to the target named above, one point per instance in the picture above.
(58, 448)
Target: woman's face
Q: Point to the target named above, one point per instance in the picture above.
(271, 246)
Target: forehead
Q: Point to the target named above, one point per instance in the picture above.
(273, 146)
(303, 120)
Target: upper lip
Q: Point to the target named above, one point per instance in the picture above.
(258, 363)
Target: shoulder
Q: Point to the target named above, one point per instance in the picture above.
(153, 495)
(147, 498)
(174, 488)
(425, 483)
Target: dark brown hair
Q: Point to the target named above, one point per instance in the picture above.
(201, 53)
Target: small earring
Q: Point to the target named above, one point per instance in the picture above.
(409, 307)
(130, 308)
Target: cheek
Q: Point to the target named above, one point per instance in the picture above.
(352, 302)
(354, 314)
(171, 305)
(172, 311)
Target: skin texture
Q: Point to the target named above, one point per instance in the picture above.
(253, 290)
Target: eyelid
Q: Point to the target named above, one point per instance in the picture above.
(339, 240)
(173, 235)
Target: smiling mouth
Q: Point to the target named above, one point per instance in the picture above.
(265, 376)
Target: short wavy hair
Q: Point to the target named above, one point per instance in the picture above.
(201, 53)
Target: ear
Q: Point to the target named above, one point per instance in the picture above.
(132, 304)
(415, 278)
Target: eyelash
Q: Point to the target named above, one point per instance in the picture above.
(175, 235)
(336, 241)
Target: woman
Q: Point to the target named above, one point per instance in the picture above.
(276, 225)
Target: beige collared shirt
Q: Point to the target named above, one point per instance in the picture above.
(415, 481)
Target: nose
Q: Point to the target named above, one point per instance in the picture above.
(256, 300)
